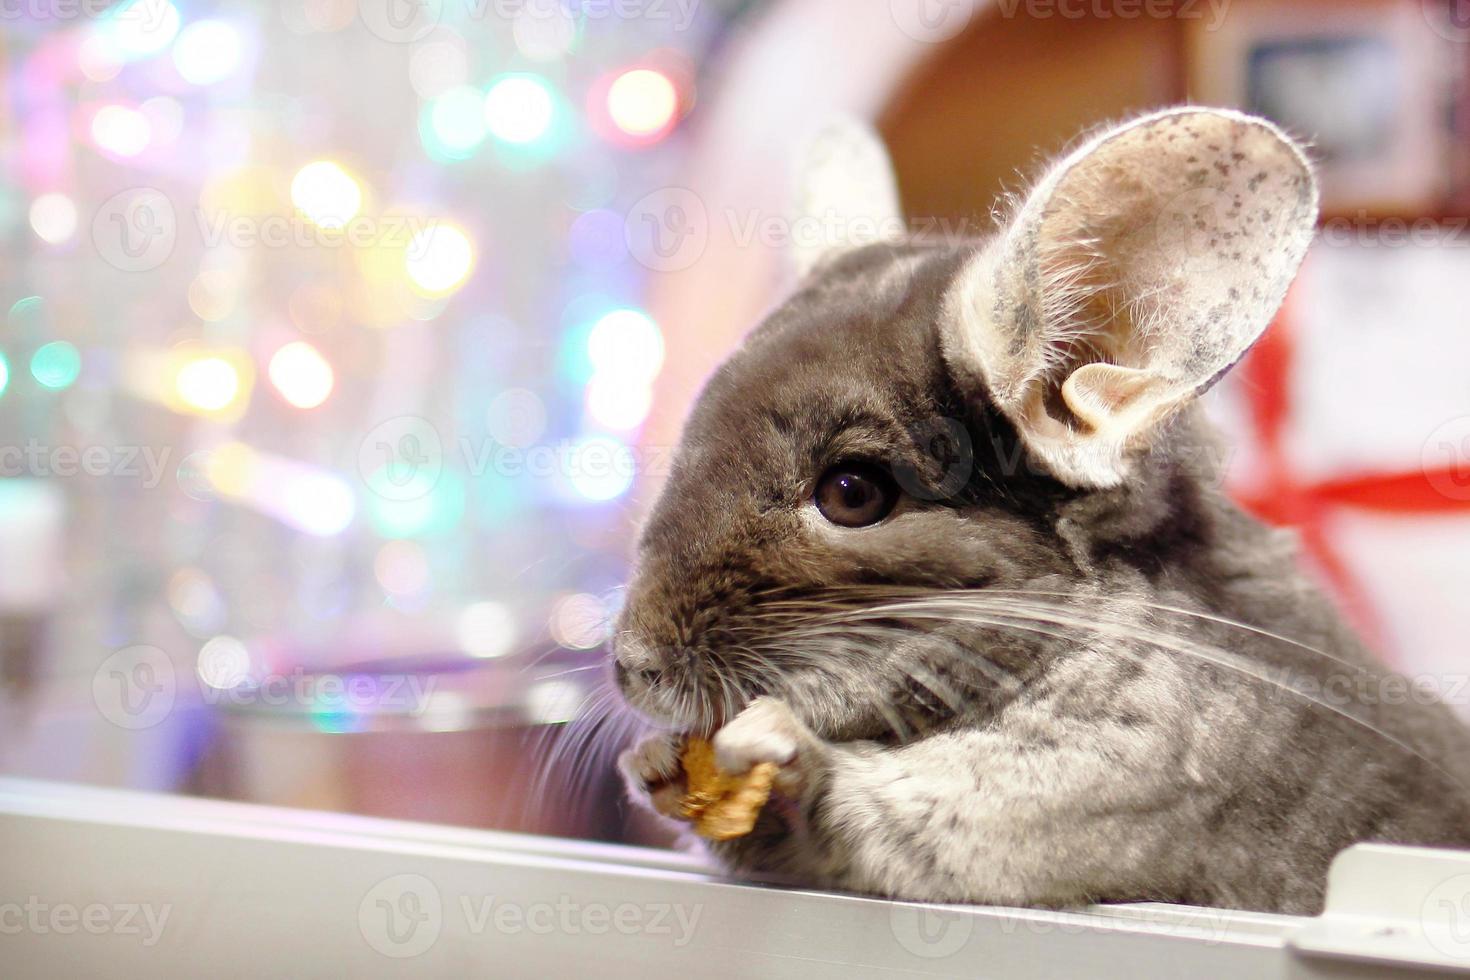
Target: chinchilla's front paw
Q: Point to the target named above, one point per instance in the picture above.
(768, 731)
(653, 774)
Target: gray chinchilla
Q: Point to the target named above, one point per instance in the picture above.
(944, 539)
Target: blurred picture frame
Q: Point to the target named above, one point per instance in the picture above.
(1373, 92)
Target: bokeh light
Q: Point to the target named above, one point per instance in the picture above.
(439, 259)
(426, 504)
(626, 345)
(140, 28)
(121, 130)
(56, 365)
(519, 109)
(600, 468)
(4, 373)
(486, 630)
(643, 103)
(297, 494)
(579, 622)
(53, 217)
(301, 374)
(326, 194)
(616, 404)
(456, 123)
(209, 384)
(208, 51)
(223, 663)
(402, 568)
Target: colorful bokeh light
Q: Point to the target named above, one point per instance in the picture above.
(456, 123)
(326, 194)
(520, 109)
(56, 365)
(439, 259)
(643, 103)
(208, 51)
(301, 374)
(121, 130)
(208, 384)
(53, 217)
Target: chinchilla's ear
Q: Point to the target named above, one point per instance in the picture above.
(846, 194)
(1139, 270)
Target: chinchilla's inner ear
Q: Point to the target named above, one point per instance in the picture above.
(1140, 269)
(846, 194)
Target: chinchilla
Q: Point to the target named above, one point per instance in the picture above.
(944, 538)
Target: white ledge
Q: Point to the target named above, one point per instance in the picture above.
(97, 881)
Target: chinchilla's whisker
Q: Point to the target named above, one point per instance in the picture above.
(1207, 617)
(988, 607)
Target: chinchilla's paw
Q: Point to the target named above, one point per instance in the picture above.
(653, 774)
(768, 731)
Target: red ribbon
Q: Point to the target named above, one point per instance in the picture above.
(1284, 499)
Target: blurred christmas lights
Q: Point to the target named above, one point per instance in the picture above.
(519, 108)
(486, 630)
(208, 51)
(56, 365)
(121, 130)
(301, 374)
(139, 28)
(209, 384)
(299, 495)
(223, 663)
(326, 194)
(4, 373)
(53, 217)
(439, 259)
(643, 103)
(455, 123)
(627, 345)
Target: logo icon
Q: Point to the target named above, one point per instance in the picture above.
(135, 687)
(668, 230)
(401, 459)
(400, 21)
(135, 230)
(1446, 917)
(1450, 19)
(930, 933)
(932, 21)
(401, 916)
(1446, 459)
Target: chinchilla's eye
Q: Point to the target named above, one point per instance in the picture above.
(855, 494)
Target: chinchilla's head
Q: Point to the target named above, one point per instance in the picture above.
(988, 417)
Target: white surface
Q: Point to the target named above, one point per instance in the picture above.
(222, 889)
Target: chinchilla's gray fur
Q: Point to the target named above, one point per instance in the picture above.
(1020, 688)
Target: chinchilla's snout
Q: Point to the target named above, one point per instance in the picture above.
(635, 664)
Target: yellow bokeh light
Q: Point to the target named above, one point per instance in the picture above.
(642, 102)
(439, 259)
(326, 194)
(301, 374)
(209, 384)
